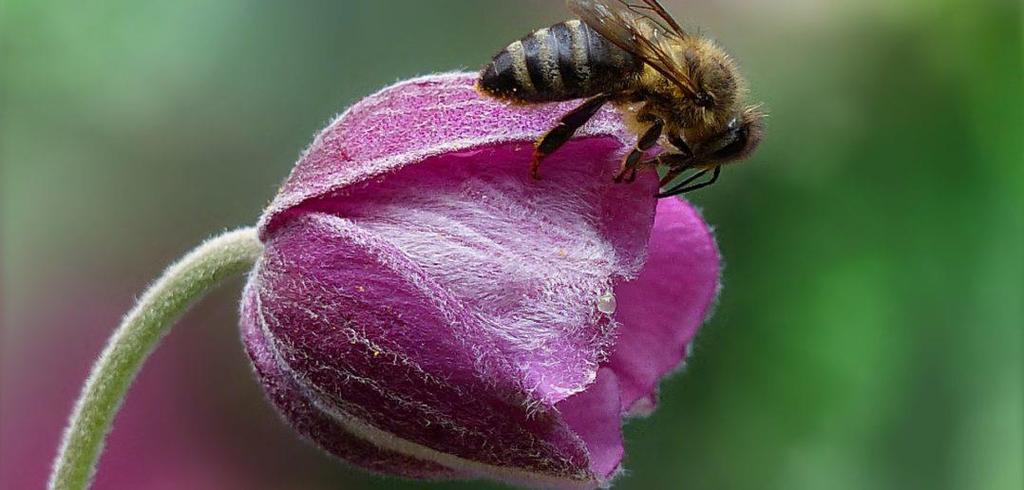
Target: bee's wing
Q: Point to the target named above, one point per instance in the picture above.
(624, 24)
(655, 6)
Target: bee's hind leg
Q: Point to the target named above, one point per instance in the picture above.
(564, 131)
(630, 164)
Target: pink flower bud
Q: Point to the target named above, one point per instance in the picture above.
(424, 309)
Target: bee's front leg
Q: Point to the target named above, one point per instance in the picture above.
(630, 164)
(677, 163)
(688, 186)
(680, 144)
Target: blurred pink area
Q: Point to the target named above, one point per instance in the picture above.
(193, 419)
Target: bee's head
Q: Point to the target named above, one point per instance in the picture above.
(741, 137)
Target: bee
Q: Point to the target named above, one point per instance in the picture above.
(674, 89)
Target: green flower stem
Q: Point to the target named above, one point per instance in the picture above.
(220, 258)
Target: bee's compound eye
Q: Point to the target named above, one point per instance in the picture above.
(705, 99)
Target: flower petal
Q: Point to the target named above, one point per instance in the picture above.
(383, 344)
(410, 122)
(662, 309)
(596, 416)
(300, 411)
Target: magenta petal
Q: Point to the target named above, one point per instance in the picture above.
(595, 415)
(412, 121)
(662, 309)
(375, 347)
(301, 412)
(381, 342)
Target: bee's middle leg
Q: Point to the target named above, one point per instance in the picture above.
(564, 131)
(627, 172)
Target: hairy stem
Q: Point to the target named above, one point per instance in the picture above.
(140, 331)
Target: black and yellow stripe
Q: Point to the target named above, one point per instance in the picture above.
(563, 62)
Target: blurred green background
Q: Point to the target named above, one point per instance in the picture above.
(868, 336)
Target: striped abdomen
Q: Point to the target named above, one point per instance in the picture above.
(563, 62)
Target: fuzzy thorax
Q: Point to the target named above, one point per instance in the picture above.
(712, 74)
